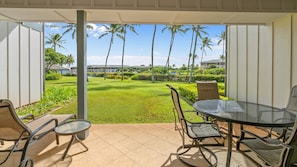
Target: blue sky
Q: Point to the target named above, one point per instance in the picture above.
(138, 47)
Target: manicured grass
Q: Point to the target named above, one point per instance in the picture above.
(115, 101)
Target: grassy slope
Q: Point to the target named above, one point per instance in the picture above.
(115, 101)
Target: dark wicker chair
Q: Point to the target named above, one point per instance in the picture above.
(207, 90)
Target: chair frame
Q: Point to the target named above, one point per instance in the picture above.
(282, 133)
(183, 130)
(27, 136)
(287, 149)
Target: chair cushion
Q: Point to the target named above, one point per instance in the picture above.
(36, 123)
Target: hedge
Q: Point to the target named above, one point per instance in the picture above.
(179, 78)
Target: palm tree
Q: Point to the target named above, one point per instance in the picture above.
(123, 30)
(198, 30)
(55, 40)
(173, 29)
(222, 39)
(113, 29)
(69, 60)
(71, 27)
(152, 53)
(222, 57)
(206, 43)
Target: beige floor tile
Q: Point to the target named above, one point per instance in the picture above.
(121, 145)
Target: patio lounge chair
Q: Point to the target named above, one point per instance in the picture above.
(273, 152)
(197, 132)
(12, 129)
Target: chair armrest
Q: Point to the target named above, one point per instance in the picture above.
(44, 125)
(28, 116)
(33, 134)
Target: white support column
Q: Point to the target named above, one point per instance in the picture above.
(81, 35)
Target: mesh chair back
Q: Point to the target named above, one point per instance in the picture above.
(207, 90)
(292, 103)
(178, 109)
(11, 127)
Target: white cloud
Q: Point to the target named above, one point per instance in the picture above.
(96, 31)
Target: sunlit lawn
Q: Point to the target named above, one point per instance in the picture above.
(116, 101)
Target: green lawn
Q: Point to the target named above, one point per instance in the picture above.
(115, 101)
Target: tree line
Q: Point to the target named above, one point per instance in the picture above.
(199, 37)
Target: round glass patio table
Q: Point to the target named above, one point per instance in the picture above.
(73, 128)
(244, 113)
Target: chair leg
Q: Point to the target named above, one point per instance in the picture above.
(27, 163)
(201, 149)
(57, 139)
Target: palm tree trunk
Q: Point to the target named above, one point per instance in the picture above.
(152, 53)
(190, 53)
(169, 53)
(193, 58)
(203, 52)
(105, 66)
(123, 52)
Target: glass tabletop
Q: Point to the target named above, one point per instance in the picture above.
(245, 113)
(73, 127)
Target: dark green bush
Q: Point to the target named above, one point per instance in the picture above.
(52, 98)
(215, 71)
(51, 75)
(189, 95)
(209, 77)
(179, 78)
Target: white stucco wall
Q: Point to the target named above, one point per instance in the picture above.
(21, 63)
(262, 61)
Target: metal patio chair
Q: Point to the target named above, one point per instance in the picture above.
(197, 132)
(23, 135)
(207, 90)
(273, 152)
(284, 133)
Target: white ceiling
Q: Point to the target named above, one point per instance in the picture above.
(138, 16)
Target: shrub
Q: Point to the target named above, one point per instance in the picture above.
(52, 98)
(215, 71)
(51, 75)
(179, 78)
(209, 77)
(188, 94)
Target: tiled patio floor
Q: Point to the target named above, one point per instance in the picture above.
(124, 145)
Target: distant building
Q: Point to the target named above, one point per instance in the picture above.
(219, 63)
(110, 68)
(60, 70)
